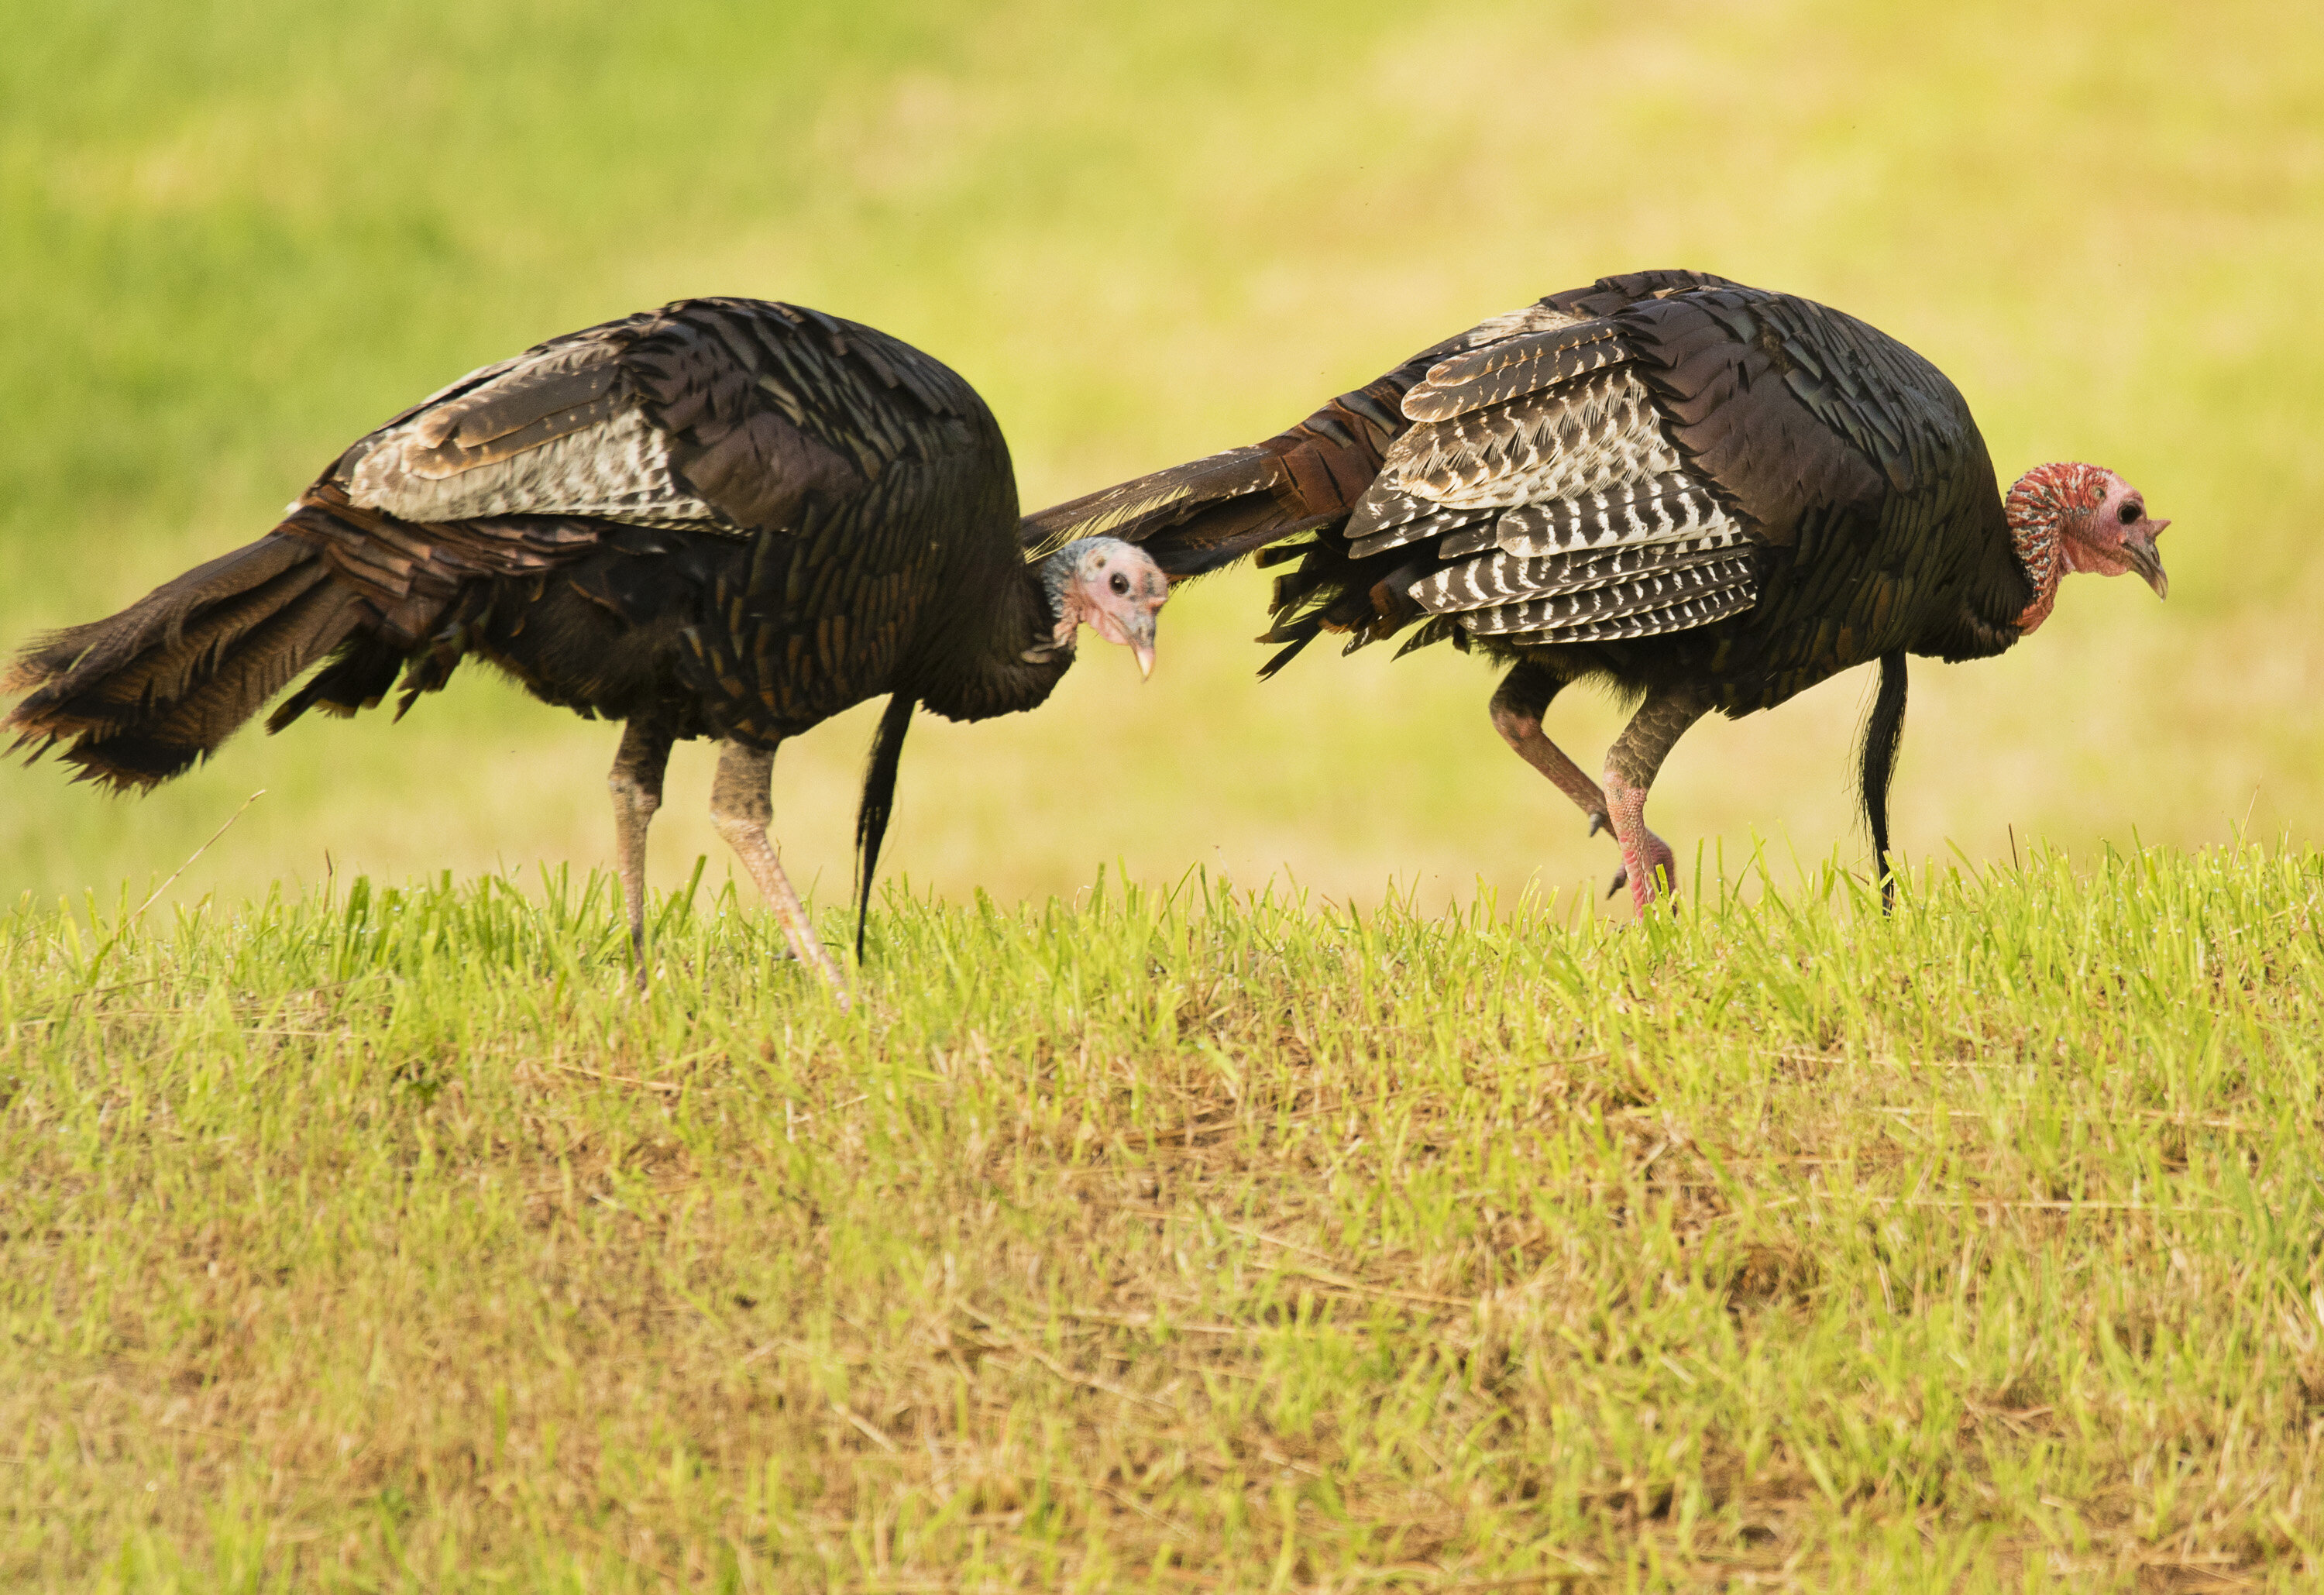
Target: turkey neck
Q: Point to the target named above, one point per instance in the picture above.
(2038, 504)
(987, 672)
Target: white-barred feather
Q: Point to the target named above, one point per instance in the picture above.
(1667, 508)
(1681, 598)
(1571, 439)
(1502, 577)
(618, 469)
(1682, 616)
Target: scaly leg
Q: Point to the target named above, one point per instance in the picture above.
(1631, 764)
(740, 809)
(1517, 707)
(636, 786)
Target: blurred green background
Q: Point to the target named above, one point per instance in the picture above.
(235, 236)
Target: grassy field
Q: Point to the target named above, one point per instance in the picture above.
(1403, 1224)
(1184, 1238)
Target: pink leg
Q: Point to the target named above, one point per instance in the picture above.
(1632, 765)
(1516, 708)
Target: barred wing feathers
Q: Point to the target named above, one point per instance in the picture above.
(1543, 470)
(795, 485)
(712, 414)
(1691, 452)
(1212, 512)
(816, 440)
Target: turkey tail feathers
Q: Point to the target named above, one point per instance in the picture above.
(148, 692)
(360, 673)
(1298, 634)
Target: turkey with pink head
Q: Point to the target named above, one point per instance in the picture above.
(1709, 495)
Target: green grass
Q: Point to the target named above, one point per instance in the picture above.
(376, 1239)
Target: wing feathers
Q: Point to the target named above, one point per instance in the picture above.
(715, 414)
(1634, 509)
(1502, 577)
(1513, 367)
(1563, 509)
(617, 468)
(1588, 435)
(519, 401)
(1621, 600)
(1684, 615)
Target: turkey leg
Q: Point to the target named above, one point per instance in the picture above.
(636, 786)
(1517, 707)
(1631, 763)
(741, 809)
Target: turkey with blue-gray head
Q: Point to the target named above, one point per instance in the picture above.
(727, 518)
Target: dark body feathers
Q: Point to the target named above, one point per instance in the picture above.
(1665, 478)
(735, 518)
(725, 519)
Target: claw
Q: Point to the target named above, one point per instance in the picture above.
(1597, 823)
(1621, 880)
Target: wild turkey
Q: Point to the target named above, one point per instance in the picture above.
(1709, 495)
(725, 517)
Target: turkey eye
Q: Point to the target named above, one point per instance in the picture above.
(1119, 584)
(2131, 513)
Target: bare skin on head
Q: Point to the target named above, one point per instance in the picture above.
(2072, 517)
(1111, 586)
(2065, 518)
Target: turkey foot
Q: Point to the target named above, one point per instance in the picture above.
(636, 785)
(1662, 877)
(1518, 706)
(740, 808)
(1649, 868)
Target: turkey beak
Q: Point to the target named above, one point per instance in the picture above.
(2140, 550)
(1141, 643)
